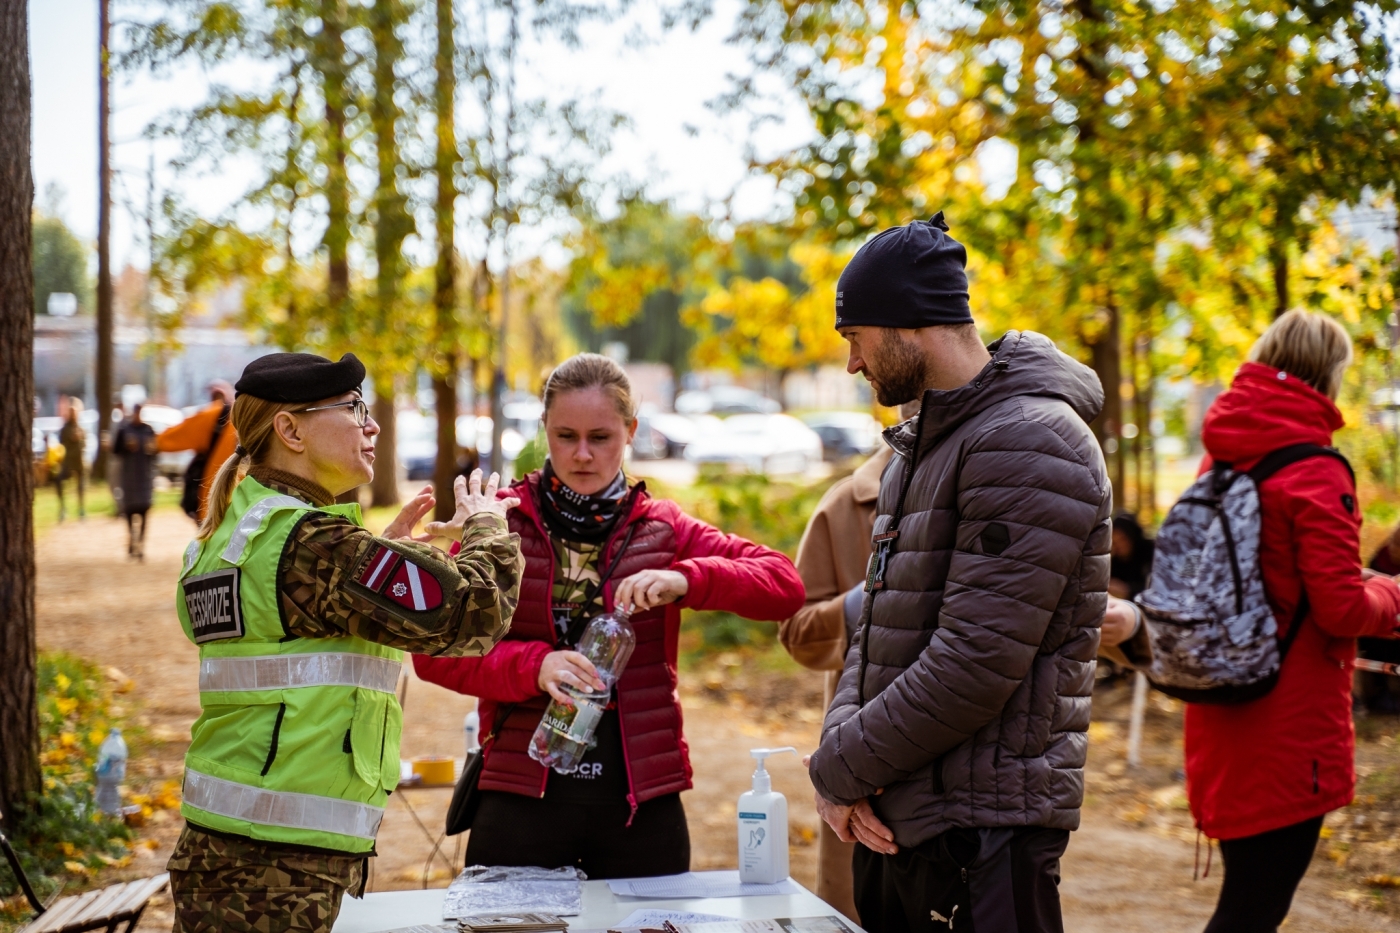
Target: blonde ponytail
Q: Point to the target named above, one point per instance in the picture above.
(252, 420)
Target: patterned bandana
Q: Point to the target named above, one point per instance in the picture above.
(577, 517)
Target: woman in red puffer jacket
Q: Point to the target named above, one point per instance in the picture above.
(619, 815)
(1261, 775)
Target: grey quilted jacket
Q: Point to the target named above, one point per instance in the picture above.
(966, 694)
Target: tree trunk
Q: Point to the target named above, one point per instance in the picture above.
(498, 379)
(19, 716)
(384, 490)
(104, 388)
(337, 236)
(391, 228)
(1144, 447)
(1107, 356)
(1278, 259)
(445, 290)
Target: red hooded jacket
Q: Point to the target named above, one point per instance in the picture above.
(725, 572)
(1288, 756)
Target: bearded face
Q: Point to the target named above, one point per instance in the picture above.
(897, 370)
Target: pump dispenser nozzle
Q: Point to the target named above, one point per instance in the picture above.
(762, 782)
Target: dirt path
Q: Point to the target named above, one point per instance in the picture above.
(1119, 878)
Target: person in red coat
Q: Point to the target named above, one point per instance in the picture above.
(1261, 775)
(592, 541)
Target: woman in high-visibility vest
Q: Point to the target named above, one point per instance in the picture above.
(300, 615)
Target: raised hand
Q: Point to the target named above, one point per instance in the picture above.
(401, 528)
(472, 500)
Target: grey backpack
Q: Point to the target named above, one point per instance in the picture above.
(1214, 637)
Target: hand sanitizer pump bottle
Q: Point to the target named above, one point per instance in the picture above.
(763, 827)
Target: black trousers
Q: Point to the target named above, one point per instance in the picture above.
(983, 880)
(511, 829)
(1261, 874)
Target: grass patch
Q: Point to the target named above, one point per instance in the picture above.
(99, 504)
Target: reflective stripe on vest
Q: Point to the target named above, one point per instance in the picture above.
(281, 808)
(252, 520)
(276, 672)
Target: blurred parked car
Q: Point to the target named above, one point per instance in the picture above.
(662, 434)
(845, 433)
(769, 444)
(415, 443)
(725, 400)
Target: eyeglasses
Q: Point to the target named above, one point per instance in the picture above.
(358, 408)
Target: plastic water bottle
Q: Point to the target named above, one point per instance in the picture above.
(470, 727)
(565, 734)
(111, 771)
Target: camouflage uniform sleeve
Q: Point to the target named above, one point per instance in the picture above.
(339, 579)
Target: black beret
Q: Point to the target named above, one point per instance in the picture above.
(908, 277)
(299, 377)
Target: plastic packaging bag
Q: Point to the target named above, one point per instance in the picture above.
(481, 889)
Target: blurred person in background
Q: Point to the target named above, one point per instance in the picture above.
(1131, 557)
(208, 433)
(73, 438)
(1261, 775)
(593, 542)
(135, 444)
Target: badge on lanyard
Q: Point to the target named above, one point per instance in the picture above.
(564, 615)
(875, 572)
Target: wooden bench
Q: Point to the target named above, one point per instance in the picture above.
(103, 909)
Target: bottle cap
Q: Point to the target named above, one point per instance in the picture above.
(762, 783)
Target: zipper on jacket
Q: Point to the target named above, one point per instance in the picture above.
(282, 711)
(627, 764)
(1315, 789)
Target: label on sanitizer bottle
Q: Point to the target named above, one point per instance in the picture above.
(753, 836)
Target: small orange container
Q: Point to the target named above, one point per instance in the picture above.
(434, 770)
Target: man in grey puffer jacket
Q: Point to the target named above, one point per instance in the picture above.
(954, 748)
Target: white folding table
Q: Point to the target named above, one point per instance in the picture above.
(390, 910)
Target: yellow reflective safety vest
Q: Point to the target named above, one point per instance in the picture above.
(298, 741)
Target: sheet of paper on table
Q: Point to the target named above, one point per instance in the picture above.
(653, 919)
(698, 884)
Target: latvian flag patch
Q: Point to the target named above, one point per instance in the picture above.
(388, 573)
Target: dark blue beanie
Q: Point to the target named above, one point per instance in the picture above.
(907, 277)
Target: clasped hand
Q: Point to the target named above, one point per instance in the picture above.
(856, 823)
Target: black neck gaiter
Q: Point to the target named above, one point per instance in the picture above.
(576, 517)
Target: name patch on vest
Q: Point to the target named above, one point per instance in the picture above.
(388, 573)
(213, 605)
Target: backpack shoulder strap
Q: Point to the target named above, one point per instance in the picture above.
(1276, 460)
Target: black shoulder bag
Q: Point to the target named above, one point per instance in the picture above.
(466, 796)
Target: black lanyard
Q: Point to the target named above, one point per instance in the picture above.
(583, 614)
(884, 545)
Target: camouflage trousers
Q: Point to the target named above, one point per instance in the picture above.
(243, 886)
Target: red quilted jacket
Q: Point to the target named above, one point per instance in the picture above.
(725, 572)
(1289, 756)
